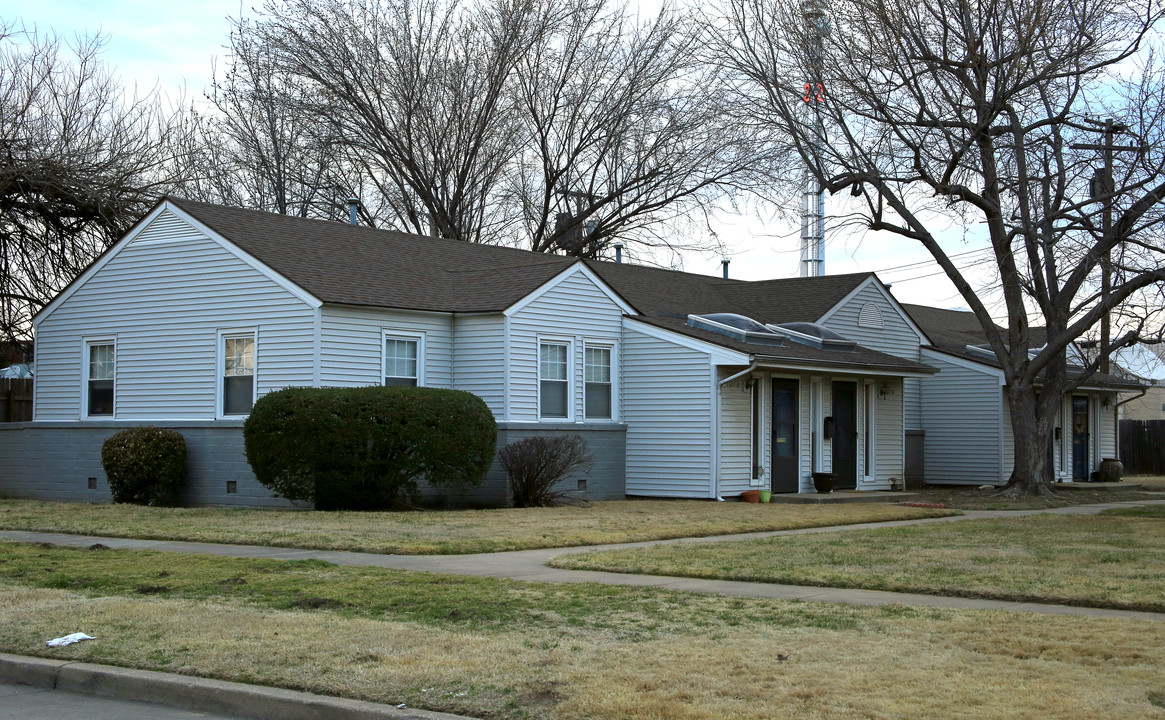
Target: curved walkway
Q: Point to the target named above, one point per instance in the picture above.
(530, 565)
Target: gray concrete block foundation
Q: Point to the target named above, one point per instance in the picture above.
(62, 461)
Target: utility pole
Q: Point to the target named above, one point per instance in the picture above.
(1102, 188)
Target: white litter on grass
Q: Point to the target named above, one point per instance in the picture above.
(69, 639)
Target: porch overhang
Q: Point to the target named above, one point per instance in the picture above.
(841, 366)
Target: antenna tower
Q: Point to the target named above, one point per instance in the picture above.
(813, 194)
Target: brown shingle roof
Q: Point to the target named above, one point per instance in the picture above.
(356, 265)
(668, 293)
(953, 330)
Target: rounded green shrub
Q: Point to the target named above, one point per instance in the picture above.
(145, 465)
(363, 448)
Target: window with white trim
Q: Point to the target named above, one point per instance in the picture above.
(597, 379)
(100, 360)
(402, 357)
(553, 380)
(238, 373)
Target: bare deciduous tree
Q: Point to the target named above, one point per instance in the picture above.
(627, 129)
(417, 92)
(985, 111)
(555, 124)
(256, 148)
(80, 162)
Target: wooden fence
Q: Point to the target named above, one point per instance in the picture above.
(1142, 444)
(15, 400)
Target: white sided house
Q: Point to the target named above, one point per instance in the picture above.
(968, 424)
(682, 385)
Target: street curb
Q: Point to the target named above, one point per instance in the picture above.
(198, 694)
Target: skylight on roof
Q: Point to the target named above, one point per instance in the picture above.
(814, 335)
(737, 327)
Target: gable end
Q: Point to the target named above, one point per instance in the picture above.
(167, 223)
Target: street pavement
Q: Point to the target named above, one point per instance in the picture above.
(24, 702)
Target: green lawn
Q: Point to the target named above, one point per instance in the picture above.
(511, 650)
(1114, 561)
(441, 532)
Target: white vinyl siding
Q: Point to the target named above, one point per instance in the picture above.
(1107, 430)
(963, 414)
(889, 457)
(895, 337)
(574, 309)
(353, 347)
(479, 358)
(165, 294)
(667, 392)
(735, 433)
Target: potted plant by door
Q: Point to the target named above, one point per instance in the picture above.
(750, 496)
(1111, 470)
(823, 482)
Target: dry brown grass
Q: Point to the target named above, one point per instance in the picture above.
(892, 662)
(440, 532)
(967, 497)
(1115, 561)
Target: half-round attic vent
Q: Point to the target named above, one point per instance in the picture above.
(870, 316)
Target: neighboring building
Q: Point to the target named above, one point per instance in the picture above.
(683, 385)
(1145, 365)
(1145, 404)
(968, 425)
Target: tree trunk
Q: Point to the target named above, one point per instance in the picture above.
(1031, 428)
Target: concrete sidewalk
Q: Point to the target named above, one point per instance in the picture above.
(530, 565)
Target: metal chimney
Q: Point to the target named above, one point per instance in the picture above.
(618, 252)
(353, 203)
(724, 266)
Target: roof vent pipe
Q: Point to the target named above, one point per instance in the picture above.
(724, 266)
(353, 203)
(618, 252)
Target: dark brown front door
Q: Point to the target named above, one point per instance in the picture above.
(785, 433)
(845, 436)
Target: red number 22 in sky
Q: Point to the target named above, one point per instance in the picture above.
(819, 96)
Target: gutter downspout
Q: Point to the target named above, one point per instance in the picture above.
(716, 428)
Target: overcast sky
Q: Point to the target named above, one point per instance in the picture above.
(174, 45)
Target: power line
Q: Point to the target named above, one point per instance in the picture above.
(929, 261)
